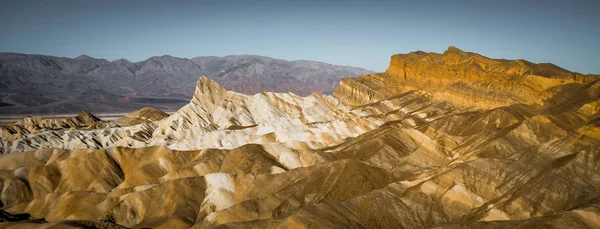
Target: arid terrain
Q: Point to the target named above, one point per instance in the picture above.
(451, 140)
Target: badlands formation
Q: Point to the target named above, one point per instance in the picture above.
(452, 140)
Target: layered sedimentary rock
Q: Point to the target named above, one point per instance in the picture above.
(31, 125)
(83, 121)
(381, 153)
(464, 78)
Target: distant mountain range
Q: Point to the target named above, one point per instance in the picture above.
(39, 84)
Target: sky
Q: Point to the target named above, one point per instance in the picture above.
(356, 33)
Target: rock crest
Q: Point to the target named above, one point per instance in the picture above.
(465, 79)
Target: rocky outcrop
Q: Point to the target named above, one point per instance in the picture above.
(353, 92)
(467, 79)
(144, 115)
(32, 125)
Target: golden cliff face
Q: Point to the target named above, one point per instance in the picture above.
(465, 79)
(389, 150)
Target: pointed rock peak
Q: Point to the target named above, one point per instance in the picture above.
(205, 82)
(87, 117)
(86, 113)
(208, 93)
(453, 49)
(454, 55)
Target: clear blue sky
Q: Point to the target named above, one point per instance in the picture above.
(356, 33)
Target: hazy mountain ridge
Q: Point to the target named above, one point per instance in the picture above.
(65, 80)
